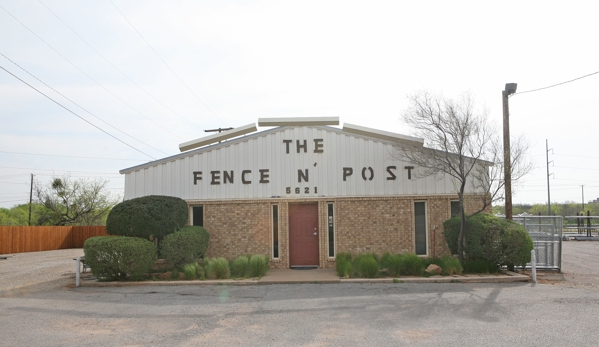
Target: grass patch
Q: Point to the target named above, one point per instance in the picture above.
(218, 268)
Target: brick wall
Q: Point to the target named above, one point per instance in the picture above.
(362, 225)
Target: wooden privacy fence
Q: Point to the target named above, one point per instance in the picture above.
(20, 239)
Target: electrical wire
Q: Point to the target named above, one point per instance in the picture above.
(555, 85)
(69, 156)
(81, 107)
(159, 57)
(119, 70)
(91, 78)
(29, 168)
(85, 120)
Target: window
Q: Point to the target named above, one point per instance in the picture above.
(455, 209)
(420, 227)
(197, 217)
(275, 231)
(331, 229)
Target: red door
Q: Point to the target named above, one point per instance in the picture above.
(303, 235)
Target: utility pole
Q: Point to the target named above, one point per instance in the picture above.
(30, 198)
(582, 198)
(510, 88)
(548, 190)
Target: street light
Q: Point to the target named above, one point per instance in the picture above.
(510, 88)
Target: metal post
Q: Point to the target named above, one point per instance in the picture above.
(533, 260)
(507, 167)
(78, 273)
(548, 191)
(30, 199)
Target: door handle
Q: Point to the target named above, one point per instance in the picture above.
(315, 233)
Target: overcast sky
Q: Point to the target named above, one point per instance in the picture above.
(227, 63)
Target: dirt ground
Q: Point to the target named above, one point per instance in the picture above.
(36, 271)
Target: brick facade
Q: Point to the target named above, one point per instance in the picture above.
(362, 225)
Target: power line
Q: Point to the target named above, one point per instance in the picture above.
(159, 57)
(29, 168)
(69, 156)
(81, 107)
(91, 78)
(109, 62)
(555, 85)
(85, 120)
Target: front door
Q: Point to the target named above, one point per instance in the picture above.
(303, 235)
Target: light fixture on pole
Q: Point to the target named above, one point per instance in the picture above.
(510, 88)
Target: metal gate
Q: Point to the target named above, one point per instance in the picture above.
(546, 234)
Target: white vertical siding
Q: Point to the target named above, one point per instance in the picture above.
(268, 151)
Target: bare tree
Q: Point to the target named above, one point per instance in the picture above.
(460, 143)
(75, 202)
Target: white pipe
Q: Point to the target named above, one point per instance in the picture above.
(78, 273)
(533, 262)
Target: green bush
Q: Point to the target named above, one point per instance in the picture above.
(259, 265)
(411, 265)
(490, 238)
(451, 266)
(393, 265)
(240, 267)
(480, 266)
(343, 264)
(384, 260)
(175, 274)
(367, 265)
(119, 258)
(184, 246)
(191, 271)
(217, 268)
(147, 217)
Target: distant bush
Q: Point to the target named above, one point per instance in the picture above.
(217, 268)
(146, 217)
(240, 267)
(119, 258)
(185, 245)
(259, 265)
(486, 237)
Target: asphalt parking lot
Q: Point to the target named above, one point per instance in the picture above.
(557, 311)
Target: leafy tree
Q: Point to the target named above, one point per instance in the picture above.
(19, 215)
(74, 202)
(460, 143)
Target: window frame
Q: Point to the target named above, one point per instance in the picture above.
(426, 240)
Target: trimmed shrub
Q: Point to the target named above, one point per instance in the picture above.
(185, 245)
(259, 265)
(153, 216)
(119, 258)
(490, 238)
(411, 265)
(240, 268)
(218, 268)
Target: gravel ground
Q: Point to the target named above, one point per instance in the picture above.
(35, 271)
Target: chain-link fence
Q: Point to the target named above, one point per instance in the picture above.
(546, 234)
